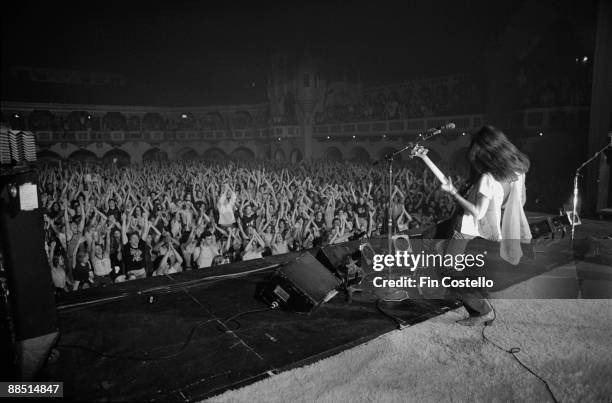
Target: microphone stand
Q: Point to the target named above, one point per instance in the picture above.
(575, 199)
(389, 157)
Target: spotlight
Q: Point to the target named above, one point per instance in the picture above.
(463, 133)
(184, 116)
(279, 139)
(89, 117)
(16, 116)
(585, 60)
(541, 134)
(328, 137)
(353, 136)
(384, 136)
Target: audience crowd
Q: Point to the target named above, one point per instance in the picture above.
(106, 224)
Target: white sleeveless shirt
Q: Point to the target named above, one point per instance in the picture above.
(508, 226)
(488, 226)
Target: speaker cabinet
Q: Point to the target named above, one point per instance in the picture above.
(29, 304)
(300, 286)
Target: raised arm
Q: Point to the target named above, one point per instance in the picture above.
(124, 238)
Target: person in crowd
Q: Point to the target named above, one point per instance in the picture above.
(135, 253)
(99, 256)
(169, 260)
(206, 251)
(58, 269)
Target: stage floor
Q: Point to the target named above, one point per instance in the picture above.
(177, 348)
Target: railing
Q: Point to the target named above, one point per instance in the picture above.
(120, 136)
(391, 127)
(529, 120)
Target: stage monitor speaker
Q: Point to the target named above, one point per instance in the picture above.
(300, 286)
(29, 304)
(334, 256)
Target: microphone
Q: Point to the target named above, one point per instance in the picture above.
(438, 130)
(387, 156)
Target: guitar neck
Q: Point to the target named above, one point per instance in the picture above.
(436, 171)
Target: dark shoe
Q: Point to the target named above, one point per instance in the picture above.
(486, 319)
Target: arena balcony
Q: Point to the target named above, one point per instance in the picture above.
(61, 130)
(521, 122)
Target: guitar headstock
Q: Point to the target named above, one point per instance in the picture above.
(418, 151)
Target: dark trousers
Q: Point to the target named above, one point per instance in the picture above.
(473, 299)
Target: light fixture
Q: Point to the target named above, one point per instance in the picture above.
(16, 116)
(541, 134)
(279, 139)
(184, 116)
(585, 59)
(463, 133)
(328, 137)
(353, 136)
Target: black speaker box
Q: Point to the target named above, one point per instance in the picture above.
(300, 286)
(333, 256)
(30, 304)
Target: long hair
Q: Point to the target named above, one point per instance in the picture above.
(491, 152)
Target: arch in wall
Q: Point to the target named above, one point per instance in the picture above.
(187, 153)
(333, 154)
(242, 119)
(243, 153)
(77, 120)
(41, 120)
(295, 156)
(185, 121)
(17, 121)
(152, 121)
(387, 150)
(83, 156)
(154, 154)
(215, 121)
(279, 155)
(134, 123)
(117, 156)
(214, 154)
(48, 156)
(115, 121)
(359, 153)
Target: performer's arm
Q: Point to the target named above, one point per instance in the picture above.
(478, 210)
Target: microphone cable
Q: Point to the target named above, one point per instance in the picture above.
(513, 351)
